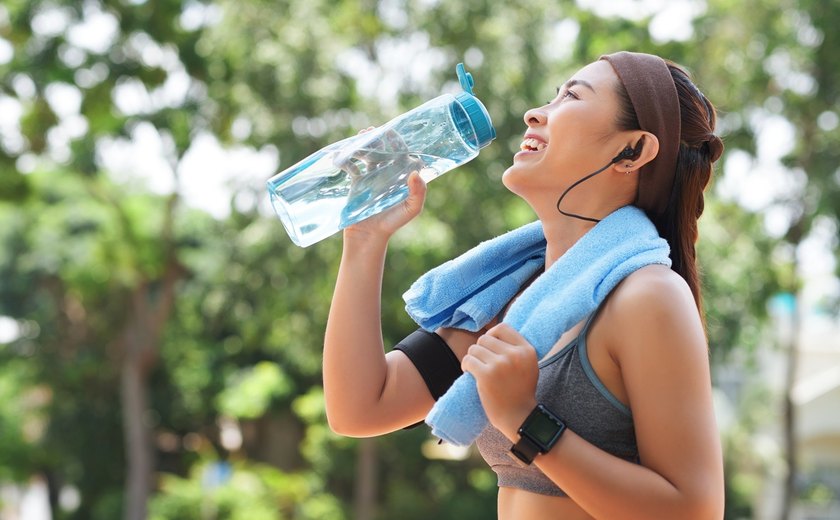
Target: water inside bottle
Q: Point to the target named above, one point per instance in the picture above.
(352, 180)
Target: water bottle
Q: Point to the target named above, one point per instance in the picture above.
(358, 177)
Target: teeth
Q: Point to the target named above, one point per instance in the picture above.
(532, 144)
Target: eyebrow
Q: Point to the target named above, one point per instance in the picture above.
(572, 82)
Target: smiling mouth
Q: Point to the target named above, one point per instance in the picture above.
(532, 145)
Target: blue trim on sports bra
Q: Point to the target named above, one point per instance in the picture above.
(559, 354)
(590, 372)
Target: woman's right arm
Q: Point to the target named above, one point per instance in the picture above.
(367, 392)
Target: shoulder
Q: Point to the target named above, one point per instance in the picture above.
(650, 291)
(653, 308)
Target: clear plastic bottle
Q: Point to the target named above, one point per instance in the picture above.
(355, 178)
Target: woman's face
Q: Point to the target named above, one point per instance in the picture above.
(571, 136)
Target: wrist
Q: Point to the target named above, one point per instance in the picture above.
(365, 240)
(538, 434)
(511, 427)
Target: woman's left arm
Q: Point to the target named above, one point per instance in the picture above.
(662, 353)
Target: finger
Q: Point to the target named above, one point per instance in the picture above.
(493, 344)
(478, 360)
(472, 365)
(364, 130)
(483, 354)
(350, 167)
(506, 341)
(395, 142)
(506, 333)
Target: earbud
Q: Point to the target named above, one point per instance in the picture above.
(627, 153)
(630, 153)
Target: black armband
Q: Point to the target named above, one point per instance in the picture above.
(437, 364)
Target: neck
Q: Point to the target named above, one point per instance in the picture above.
(561, 234)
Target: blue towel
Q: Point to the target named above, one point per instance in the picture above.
(469, 291)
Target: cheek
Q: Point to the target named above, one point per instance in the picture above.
(577, 126)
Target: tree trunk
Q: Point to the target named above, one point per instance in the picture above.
(365, 492)
(151, 307)
(789, 415)
(53, 489)
(138, 445)
(152, 303)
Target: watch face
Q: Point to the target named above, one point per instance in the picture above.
(543, 429)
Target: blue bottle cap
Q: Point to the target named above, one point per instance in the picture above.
(478, 115)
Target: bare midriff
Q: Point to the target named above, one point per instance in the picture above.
(517, 504)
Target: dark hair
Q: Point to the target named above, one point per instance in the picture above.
(699, 149)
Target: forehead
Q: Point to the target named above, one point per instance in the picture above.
(598, 73)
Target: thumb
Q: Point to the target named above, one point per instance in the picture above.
(416, 193)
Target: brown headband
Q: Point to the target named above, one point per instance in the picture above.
(651, 89)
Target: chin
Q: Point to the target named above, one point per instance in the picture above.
(526, 183)
(510, 181)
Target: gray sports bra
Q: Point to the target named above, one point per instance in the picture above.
(569, 387)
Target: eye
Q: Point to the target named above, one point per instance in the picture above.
(569, 94)
(563, 94)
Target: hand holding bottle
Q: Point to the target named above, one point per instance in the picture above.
(385, 224)
(366, 164)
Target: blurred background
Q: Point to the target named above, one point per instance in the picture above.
(160, 335)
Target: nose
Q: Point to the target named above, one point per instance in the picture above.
(535, 117)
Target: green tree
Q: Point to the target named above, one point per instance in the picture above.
(102, 272)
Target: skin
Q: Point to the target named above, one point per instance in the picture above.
(647, 344)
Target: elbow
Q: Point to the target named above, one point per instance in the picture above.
(342, 423)
(339, 419)
(358, 425)
(340, 427)
(702, 499)
(338, 422)
(706, 505)
(705, 511)
(350, 430)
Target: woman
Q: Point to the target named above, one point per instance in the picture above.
(625, 408)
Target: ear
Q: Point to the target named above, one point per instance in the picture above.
(646, 146)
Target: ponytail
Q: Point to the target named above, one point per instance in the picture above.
(699, 149)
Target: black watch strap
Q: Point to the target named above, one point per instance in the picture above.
(525, 449)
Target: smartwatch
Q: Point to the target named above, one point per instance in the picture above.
(538, 434)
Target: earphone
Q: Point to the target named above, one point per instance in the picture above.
(630, 153)
(627, 153)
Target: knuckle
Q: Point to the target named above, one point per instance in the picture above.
(502, 327)
(506, 363)
(526, 353)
